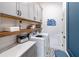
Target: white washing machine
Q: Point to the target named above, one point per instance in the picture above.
(42, 44)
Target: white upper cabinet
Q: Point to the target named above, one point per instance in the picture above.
(31, 11)
(37, 12)
(8, 8)
(22, 10)
(28, 10)
(41, 13)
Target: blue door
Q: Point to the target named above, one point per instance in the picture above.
(73, 28)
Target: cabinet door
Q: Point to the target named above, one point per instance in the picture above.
(39, 16)
(35, 11)
(24, 10)
(8, 8)
(31, 52)
(38, 13)
(31, 11)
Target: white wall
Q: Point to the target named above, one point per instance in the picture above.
(54, 11)
(8, 40)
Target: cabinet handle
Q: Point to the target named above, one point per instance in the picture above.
(20, 13)
(34, 18)
(17, 12)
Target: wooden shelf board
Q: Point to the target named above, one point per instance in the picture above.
(2, 34)
(18, 18)
(14, 33)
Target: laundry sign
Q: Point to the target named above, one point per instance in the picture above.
(51, 22)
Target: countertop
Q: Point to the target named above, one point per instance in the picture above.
(18, 50)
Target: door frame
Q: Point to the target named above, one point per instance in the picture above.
(67, 30)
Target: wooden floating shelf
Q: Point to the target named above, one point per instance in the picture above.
(2, 34)
(14, 33)
(18, 18)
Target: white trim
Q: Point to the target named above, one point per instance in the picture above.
(67, 53)
(64, 15)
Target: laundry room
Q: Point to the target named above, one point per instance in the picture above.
(38, 29)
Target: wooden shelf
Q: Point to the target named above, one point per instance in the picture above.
(2, 34)
(18, 18)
